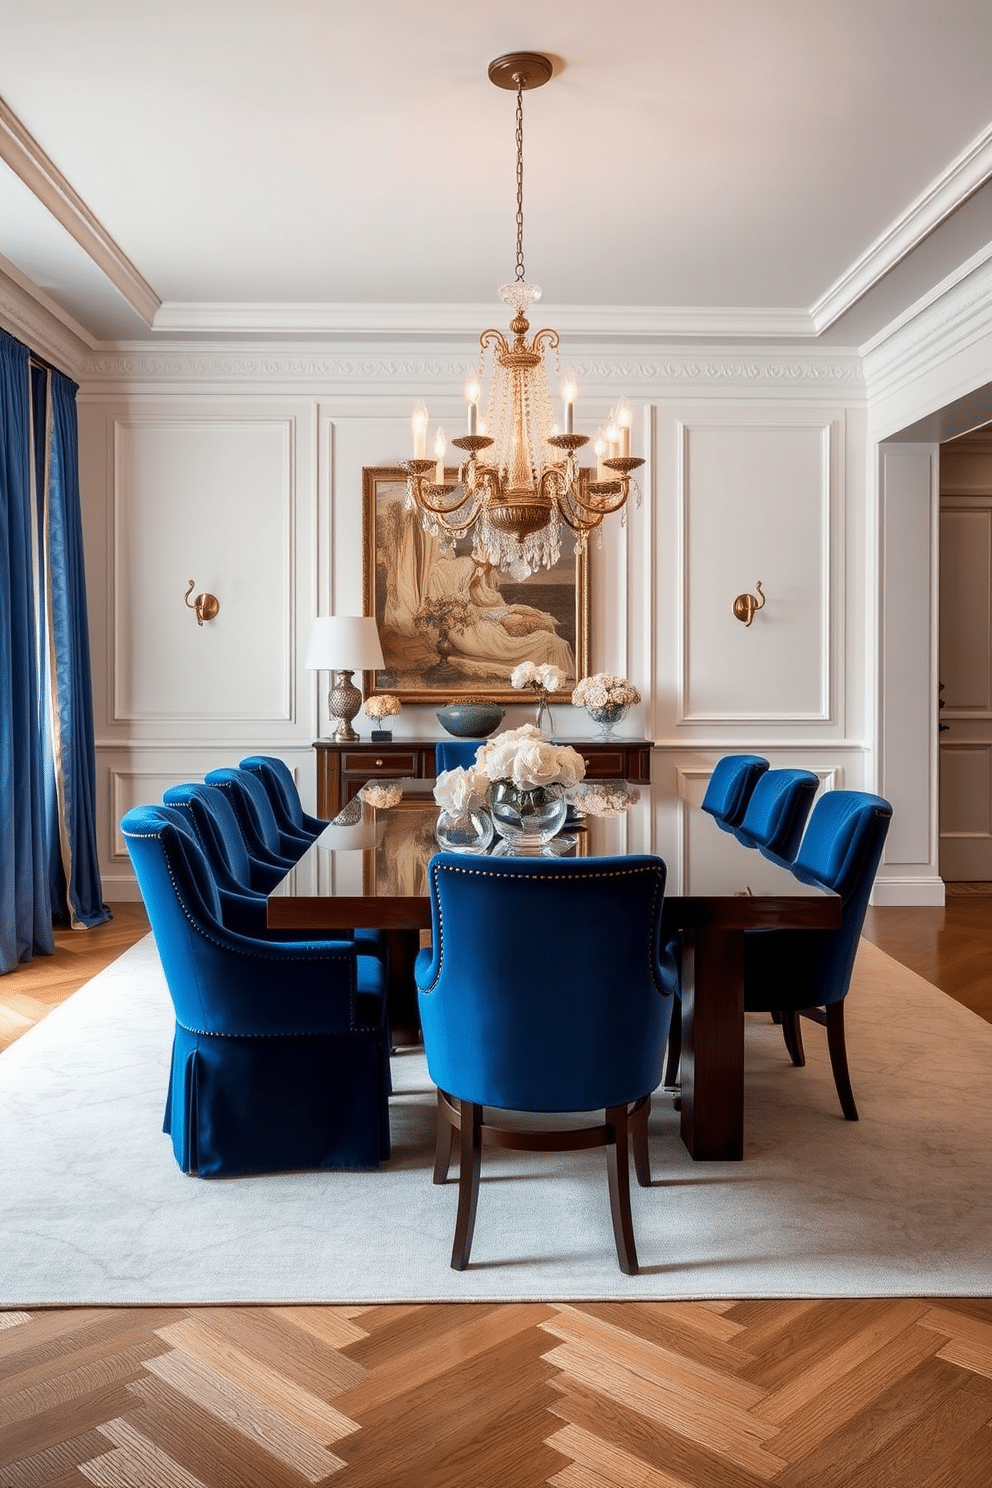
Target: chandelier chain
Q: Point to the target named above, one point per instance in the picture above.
(520, 275)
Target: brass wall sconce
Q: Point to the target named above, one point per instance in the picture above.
(205, 605)
(746, 606)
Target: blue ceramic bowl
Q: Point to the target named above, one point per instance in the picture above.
(470, 720)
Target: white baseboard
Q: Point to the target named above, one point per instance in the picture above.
(909, 891)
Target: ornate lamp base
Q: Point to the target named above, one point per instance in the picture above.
(343, 702)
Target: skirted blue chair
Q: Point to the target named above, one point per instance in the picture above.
(808, 972)
(777, 812)
(546, 990)
(284, 798)
(730, 787)
(280, 1060)
(450, 754)
(250, 804)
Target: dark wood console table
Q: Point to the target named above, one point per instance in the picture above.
(342, 769)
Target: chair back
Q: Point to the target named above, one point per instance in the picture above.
(256, 818)
(777, 812)
(548, 988)
(841, 851)
(450, 754)
(284, 798)
(730, 787)
(211, 816)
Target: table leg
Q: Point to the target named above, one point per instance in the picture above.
(713, 1044)
(404, 1013)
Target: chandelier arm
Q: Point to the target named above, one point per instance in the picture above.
(439, 507)
(602, 497)
(574, 516)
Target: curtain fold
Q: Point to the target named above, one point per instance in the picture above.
(49, 867)
(25, 899)
(75, 871)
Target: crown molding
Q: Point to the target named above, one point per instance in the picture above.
(612, 322)
(40, 324)
(957, 313)
(42, 176)
(971, 169)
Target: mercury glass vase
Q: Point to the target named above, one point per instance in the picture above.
(527, 818)
(608, 717)
(467, 831)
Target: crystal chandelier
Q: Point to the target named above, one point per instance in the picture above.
(519, 483)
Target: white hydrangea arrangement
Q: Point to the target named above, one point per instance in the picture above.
(524, 757)
(381, 705)
(604, 690)
(460, 789)
(544, 678)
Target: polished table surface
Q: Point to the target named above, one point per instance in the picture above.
(369, 868)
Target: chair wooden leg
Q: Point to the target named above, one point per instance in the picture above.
(793, 1036)
(442, 1145)
(837, 1046)
(618, 1172)
(470, 1165)
(639, 1143)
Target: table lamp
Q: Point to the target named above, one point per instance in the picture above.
(336, 639)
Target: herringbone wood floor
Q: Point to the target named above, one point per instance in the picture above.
(842, 1394)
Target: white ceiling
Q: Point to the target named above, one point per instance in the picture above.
(789, 168)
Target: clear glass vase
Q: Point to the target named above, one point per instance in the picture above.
(607, 718)
(467, 831)
(527, 818)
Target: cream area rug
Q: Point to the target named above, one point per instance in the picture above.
(95, 1211)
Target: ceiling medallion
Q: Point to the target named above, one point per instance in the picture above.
(519, 482)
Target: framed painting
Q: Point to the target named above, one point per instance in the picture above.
(452, 627)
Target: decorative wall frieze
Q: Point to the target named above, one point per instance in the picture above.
(405, 373)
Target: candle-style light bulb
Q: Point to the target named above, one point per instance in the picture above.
(601, 450)
(613, 435)
(569, 392)
(440, 446)
(420, 432)
(472, 391)
(623, 428)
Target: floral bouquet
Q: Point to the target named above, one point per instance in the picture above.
(524, 757)
(459, 789)
(381, 705)
(542, 679)
(606, 699)
(604, 690)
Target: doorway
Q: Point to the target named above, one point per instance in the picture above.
(965, 668)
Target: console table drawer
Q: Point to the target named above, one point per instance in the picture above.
(384, 761)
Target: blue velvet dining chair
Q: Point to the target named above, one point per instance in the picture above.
(730, 787)
(284, 798)
(575, 1020)
(452, 754)
(257, 821)
(776, 813)
(808, 972)
(243, 880)
(280, 1058)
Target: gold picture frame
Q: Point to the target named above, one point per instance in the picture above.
(409, 585)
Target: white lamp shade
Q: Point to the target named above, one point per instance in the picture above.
(344, 641)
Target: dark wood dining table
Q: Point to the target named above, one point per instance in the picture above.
(369, 868)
